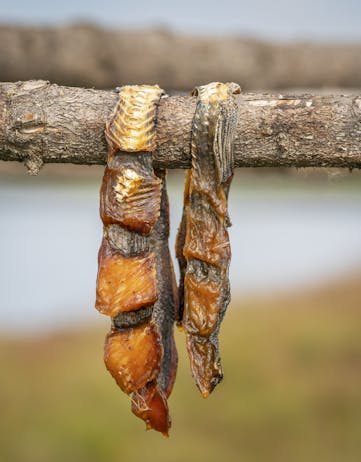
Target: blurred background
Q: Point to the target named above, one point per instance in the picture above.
(291, 340)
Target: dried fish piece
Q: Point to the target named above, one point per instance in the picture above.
(130, 195)
(133, 355)
(124, 283)
(203, 248)
(136, 284)
(150, 404)
(131, 126)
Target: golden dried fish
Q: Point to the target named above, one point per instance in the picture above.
(131, 126)
(135, 284)
(133, 356)
(116, 291)
(130, 197)
(203, 248)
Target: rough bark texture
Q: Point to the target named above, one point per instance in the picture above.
(43, 122)
(86, 55)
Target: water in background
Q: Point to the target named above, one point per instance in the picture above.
(282, 238)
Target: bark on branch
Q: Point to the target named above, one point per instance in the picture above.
(42, 122)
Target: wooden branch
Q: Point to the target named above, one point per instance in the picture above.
(42, 122)
(90, 56)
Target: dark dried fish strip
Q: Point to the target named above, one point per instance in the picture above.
(203, 248)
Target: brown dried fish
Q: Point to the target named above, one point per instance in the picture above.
(115, 293)
(203, 248)
(135, 284)
(150, 403)
(130, 196)
(133, 356)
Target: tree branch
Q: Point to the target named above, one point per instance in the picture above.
(86, 55)
(42, 122)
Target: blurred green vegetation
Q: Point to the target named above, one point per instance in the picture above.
(292, 391)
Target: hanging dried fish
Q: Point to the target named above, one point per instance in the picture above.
(203, 248)
(135, 283)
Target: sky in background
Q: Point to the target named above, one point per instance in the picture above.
(326, 20)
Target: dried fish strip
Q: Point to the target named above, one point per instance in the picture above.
(203, 248)
(135, 284)
(150, 403)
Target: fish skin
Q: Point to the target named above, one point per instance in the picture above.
(203, 248)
